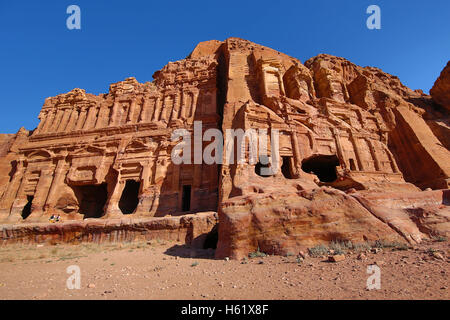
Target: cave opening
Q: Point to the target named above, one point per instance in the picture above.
(324, 167)
(26, 211)
(263, 168)
(91, 199)
(186, 198)
(212, 238)
(130, 197)
(286, 168)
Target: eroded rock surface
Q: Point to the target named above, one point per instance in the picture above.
(441, 89)
(348, 137)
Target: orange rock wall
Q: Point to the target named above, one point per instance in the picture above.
(343, 129)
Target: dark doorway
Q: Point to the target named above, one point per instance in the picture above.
(186, 198)
(91, 199)
(286, 168)
(26, 211)
(212, 238)
(129, 199)
(263, 163)
(324, 167)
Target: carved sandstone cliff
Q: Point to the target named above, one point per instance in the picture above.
(441, 89)
(348, 137)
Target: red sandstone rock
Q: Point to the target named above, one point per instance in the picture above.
(288, 222)
(336, 258)
(190, 229)
(342, 127)
(441, 89)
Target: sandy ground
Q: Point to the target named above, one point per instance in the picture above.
(164, 270)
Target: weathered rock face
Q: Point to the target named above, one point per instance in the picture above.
(292, 221)
(109, 155)
(191, 229)
(347, 135)
(441, 89)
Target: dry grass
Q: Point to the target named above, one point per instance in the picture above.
(61, 252)
(342, 247)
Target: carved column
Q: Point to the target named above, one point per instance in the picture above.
(112, 205)
(103, 117)
(143, 117)
(43, 118)
(164, 108)
(281, 84)
(90, 118)
(72, 120)
(58, 180)
(194, 107)
(339, 149)
(20, 199)
(357, 148)
(81, 119)
(49, 120)
(176, 178)
(41, 193)
(183, 105)
(157, 112)
(11, 191)
(115, 111)
(297, 153)
(56, 121)
(146, 175)
(196, 185)
(394, 166)
(162, 164)
(132, 111)
(64, 120)
(176, 106)
(374, 155)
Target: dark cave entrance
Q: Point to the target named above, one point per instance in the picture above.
(324, 167)
(186, 198)
(286, 168)
(212, 238)
(91, 199)
(26, 211)
(129, 200)
(263, 163)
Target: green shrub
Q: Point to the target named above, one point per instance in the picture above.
(257, 254)
(318, 251)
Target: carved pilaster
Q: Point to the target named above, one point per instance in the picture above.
(114, 114)
(81, 119)
(64, 120)
(131, 112)
(357, 148)
(12, 189)
(56, 121)
(91, 117)
(72, 120)
(49, 120)
(157, 113)
(58, 180)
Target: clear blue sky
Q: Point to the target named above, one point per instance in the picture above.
(40, 57)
